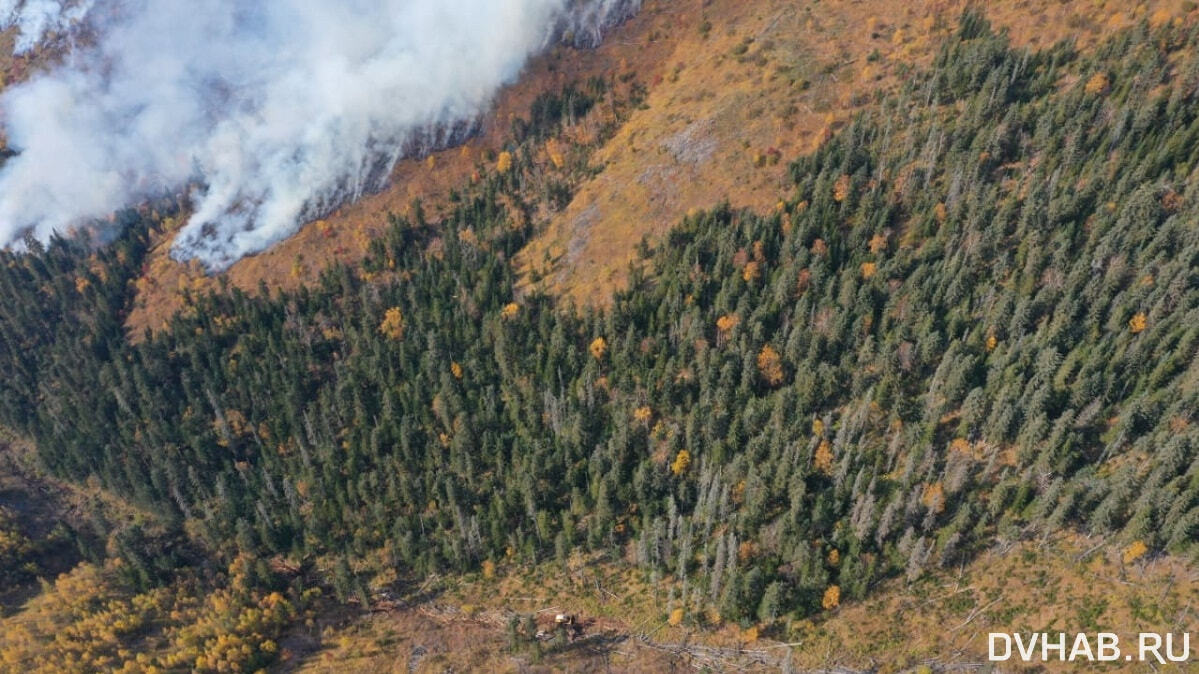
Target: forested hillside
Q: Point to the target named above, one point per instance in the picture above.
(974, 314)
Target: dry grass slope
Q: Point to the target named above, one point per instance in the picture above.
(751, 85)
(939, 622)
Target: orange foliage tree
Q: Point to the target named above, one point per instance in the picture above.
(770, 365)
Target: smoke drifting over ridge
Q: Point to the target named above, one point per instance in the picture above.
(280, 110)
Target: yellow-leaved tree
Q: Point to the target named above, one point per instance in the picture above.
(681, 461)
(822, 460)
(599, 346)
(1137, 323)
(504, 163)
(392, 326)
(724, 326)
(832, 598)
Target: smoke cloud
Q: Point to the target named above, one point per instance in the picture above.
(279, 111)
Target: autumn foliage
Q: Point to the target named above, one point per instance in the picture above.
(1134, 551)
(1137, 323)
(392, 326)
(1098, 84)
(504, 163)
(933, 497)
(832, 598)
(681, 462)
(598, 347)
(91, 620)
(822, 460)
(770, 365)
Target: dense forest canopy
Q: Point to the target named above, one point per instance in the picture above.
(974, 314)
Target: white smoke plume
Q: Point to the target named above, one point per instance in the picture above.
(278, 109)
(34, 19)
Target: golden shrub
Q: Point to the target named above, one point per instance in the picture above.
(1135, 551)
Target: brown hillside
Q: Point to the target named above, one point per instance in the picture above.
(749, 87)
(939, 622)
(735, 90)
